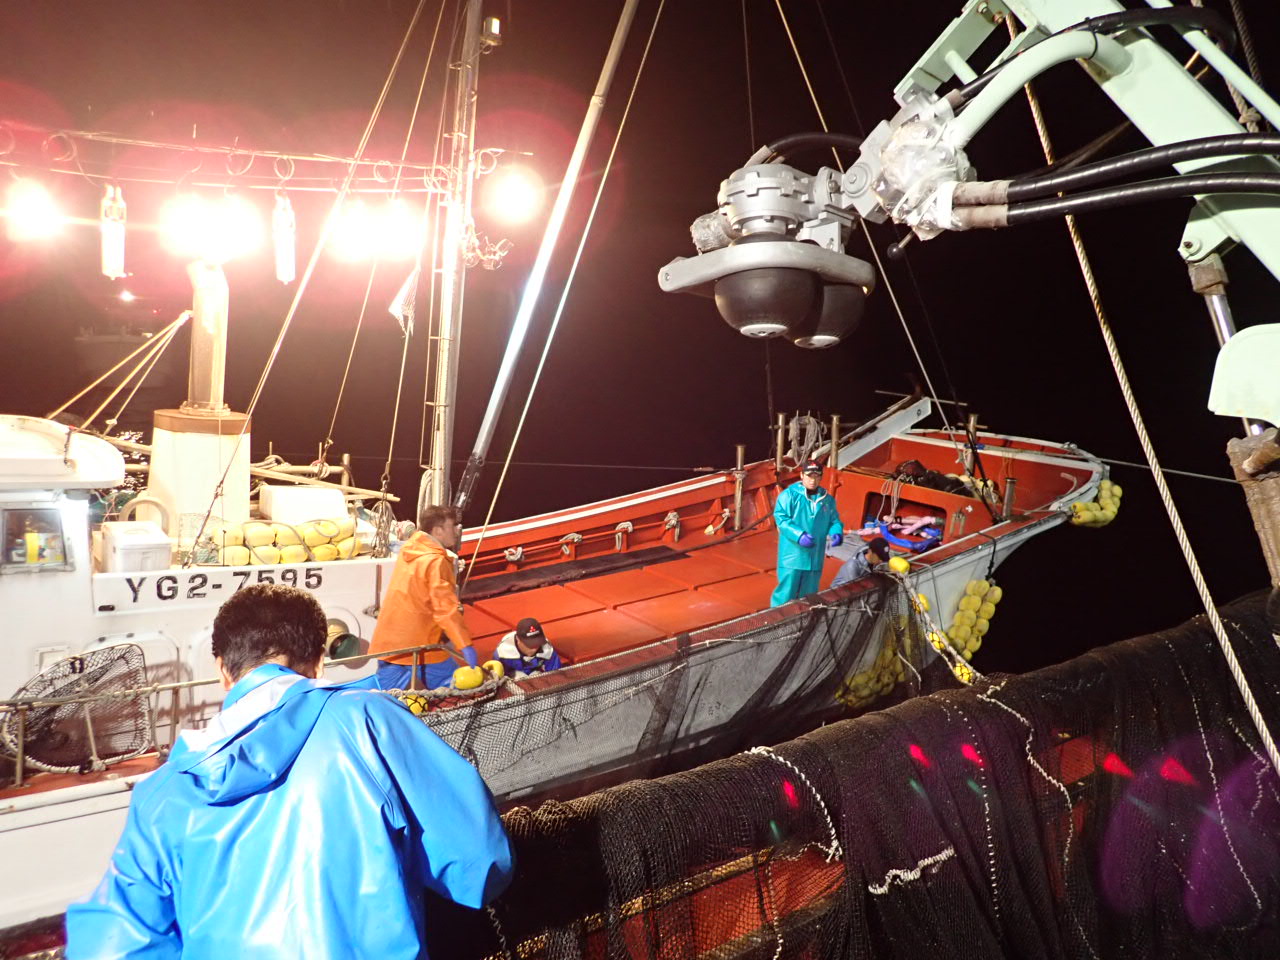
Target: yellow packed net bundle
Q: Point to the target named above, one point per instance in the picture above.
(265, 542)
(1099, 512)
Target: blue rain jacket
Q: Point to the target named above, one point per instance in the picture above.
(303, 821)
(794, 513)
(855, 568)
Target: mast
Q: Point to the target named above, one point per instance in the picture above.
(453, 260)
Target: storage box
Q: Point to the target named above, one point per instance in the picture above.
(132, 546)
(289, 504)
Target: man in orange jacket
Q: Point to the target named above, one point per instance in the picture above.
(422, 606)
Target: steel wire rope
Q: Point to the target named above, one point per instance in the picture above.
(893, 296)
(564, 293)
(155, 347)
(168, 328)
(1148, 449)
(150, 365)
(321, 241)
(373, 270)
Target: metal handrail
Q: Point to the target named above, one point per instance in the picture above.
(8, 706)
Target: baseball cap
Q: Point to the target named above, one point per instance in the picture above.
(812, 466)
(530, 631)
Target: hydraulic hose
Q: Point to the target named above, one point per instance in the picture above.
(780, 150)
(1140, 161)
(1195, 18)
(1124, 196)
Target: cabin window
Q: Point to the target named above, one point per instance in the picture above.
(33, 540)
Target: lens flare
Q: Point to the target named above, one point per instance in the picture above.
(1175, 772)
(789, 791)
(970, 753)
(1113, 764)
(918, 755)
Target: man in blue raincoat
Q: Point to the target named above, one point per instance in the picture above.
(303, 821)
(807, 521)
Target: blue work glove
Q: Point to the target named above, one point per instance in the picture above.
(469, 655)
(836, 539)
(806, 540)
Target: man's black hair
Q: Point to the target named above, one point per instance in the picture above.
(880, 547)
(433, 515)
(267, 621)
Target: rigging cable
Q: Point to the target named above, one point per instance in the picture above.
(1157, 473)
(373, 270)
(564, 293)
(321, 241)
(170, 328)
(746, 61)
(142, 377)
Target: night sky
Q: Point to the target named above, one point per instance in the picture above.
(640, 378)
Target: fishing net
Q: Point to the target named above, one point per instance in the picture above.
(758, 679)
(1115, 805)
(84, 734)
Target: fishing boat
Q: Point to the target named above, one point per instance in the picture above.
(658, 599)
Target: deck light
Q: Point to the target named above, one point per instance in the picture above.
(214, 231)
(514, 195)
(111, 220)
(392, 232)
(284, 238)
(31, 212)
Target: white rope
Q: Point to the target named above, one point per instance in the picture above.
(833, 850)
(1157, 474)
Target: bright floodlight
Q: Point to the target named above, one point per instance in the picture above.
(128, 296)
(513, 195)
(363, 232)
(401, 231)
(211, 230)
(31, 212)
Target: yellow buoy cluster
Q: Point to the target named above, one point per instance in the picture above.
(268, 542)
(878, 679)
(961, 670)
(464, 678)
(973, 616)
(1099, 512)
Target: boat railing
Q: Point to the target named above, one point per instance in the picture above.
(19, 707)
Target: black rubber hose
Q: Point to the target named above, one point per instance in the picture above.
(1140, 161)
(1195, 17)
(1185, 186)
(780, 150)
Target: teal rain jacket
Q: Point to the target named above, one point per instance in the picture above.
(303, 821)
(794, 513)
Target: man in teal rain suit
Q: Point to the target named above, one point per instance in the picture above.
(806, 518)
(302, 821)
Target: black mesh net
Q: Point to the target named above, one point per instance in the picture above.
(1118, 805)
(759, 679)
(80, 734)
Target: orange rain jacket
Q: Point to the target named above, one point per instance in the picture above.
(421, 605)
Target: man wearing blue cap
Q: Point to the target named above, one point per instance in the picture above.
(807, 521)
